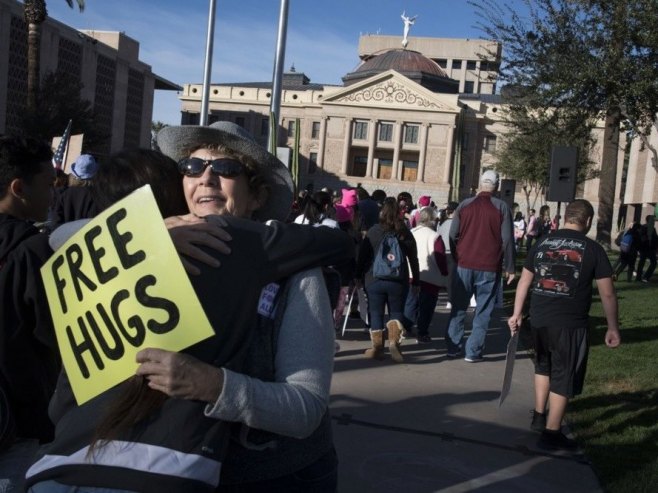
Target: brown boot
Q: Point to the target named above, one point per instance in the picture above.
(377, 349)
(395, 329)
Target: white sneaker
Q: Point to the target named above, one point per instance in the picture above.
(448, 306)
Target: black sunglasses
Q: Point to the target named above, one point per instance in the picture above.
(224, 167)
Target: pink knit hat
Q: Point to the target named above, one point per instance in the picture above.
(424, 201)
(350, 198)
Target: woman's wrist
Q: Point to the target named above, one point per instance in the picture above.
(213, 385)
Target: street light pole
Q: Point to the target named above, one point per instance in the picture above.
(279, 60)
(205, 93)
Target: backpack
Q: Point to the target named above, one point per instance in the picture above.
(389, 259)
(626, 242)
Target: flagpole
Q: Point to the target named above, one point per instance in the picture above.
(66, 154)
(205, 93)
(279, 60)
(61, 152)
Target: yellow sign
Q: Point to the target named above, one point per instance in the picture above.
(115, 287)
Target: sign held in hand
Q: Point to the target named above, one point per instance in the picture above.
(115, 287)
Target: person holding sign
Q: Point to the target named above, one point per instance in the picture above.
(559, 271)
(131, 430)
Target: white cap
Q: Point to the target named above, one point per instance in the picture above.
(489, 177)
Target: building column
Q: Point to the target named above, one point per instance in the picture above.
(323, 140)
(478, 77)
(397, 138)
(120, 103)
(347, 142)
(450, 149)
(424, 129)
(371, 146)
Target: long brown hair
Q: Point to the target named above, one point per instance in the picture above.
(136, 402)
(389, 216)
(117, 177)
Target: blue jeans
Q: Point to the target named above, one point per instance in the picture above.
(410, 317)
(419, 310)
(467, 282)
(381, 293)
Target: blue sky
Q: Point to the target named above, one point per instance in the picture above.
(322, 36)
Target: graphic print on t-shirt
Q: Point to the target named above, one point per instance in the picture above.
(558, 262)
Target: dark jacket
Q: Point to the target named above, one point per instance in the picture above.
(72, 204)
(369, 246)
(482, 234)
(12, 232)
(29, 360)
(179, 449)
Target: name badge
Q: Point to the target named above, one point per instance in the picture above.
(266, 301)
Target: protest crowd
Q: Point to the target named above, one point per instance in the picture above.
(229, 320)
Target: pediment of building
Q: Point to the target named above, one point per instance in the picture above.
(390, 89)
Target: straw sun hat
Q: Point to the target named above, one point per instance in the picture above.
(175, 142)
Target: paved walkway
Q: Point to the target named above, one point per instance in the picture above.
(434, 425)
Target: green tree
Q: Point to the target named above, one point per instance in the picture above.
(35, 12)
(58, 102)
(156, 126)
(525, 150)
(599, 56)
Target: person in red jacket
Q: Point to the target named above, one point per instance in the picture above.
(482, 239)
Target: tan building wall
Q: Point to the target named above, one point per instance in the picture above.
(343, 159)
(123, 92)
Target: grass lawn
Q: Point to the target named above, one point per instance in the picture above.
(615, 420)
(616, 417)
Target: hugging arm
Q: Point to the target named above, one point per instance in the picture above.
(295, 402)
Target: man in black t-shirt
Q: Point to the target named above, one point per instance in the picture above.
(559, 270)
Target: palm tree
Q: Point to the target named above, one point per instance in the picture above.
(34, 12)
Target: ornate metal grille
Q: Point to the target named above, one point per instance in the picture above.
(17, 76)
(104, 99)
(69, 59)
(134, 105)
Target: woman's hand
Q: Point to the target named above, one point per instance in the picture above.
(180, 375)
(189, 232)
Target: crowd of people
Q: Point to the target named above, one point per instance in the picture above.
(637, 245)
(528, 230)
(247, 409)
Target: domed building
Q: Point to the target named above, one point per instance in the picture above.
(423, 119)
(419, 119)
(411, 64)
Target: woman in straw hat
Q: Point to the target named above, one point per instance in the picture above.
(274, 386)
(279, 402)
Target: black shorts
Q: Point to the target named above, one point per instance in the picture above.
(561, 355)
